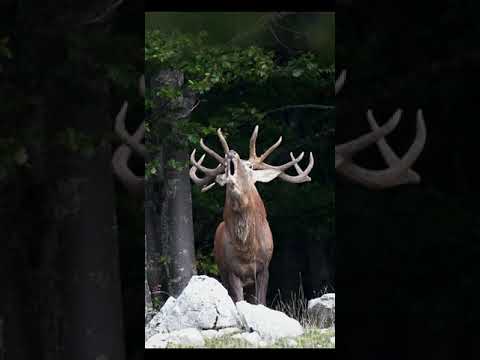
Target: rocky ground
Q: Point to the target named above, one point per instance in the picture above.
(205, 316)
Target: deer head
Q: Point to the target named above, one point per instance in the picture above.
(399, 169)
(240, 175)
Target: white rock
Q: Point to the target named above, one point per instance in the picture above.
(158, 341)
(323, 309)
(210, 334)
(187, 337)
(269, 324)
(252, 338)
(203, 304)
(228, 331)
(157, 323)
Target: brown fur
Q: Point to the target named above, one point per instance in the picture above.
(243, 246)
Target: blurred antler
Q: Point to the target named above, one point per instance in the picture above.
(398, 171)
(132, 144)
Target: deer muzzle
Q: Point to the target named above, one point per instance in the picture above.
(231, 160)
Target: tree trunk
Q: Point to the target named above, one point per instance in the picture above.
(180, 224)
(153, 231)
(176, 223)
(93, 297)
(148, 296)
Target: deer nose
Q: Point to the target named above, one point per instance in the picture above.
(231, 155)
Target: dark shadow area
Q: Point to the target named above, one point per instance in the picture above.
(407, 256)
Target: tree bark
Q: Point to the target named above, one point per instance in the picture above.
(86, 212)
(153, 231)
(176, 223)
(148, 295)
(180, 224)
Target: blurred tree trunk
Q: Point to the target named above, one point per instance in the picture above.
(61, 266)
(85, 209)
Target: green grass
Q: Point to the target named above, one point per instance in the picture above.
(312, 338)
(296, 307)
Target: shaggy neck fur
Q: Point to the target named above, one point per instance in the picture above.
(242, 214)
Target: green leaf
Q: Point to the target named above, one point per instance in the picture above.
(297, 73)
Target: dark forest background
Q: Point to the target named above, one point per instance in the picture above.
(407, 258)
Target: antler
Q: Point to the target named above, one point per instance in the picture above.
(210, 174)
(398, 171)
(258, 162)
(132, 144)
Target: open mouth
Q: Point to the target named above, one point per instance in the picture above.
(230, 167)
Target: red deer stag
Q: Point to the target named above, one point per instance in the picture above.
(243, 241)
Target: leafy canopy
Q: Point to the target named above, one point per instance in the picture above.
(223, 66)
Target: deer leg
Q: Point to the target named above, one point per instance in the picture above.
(224, 279)
(250, 294)
(235, 287)
(262, 286)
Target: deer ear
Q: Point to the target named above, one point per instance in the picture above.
(221, 179)
(265, 176)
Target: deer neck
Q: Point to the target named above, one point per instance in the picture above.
(243, 214)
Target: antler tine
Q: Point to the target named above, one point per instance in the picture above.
(389, 155)
(193, 173)
(297, 167)
(253, 144)
(132, 141)
(210, 173)
(349, 148)
(208, 187)
(340, 81)
(120, 158)
(397, 173)
(270, 150)
(283, 167)
(253, 151)
(211, 152)
(122, 154)
(207, 171)
(302, 174)
(134, 183)
(223, 141)
(259, 164)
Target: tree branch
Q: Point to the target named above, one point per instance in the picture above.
(302, 106)
(105, 14)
